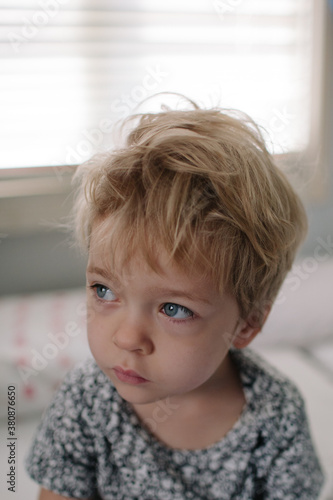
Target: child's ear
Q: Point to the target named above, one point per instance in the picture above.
(249, 328)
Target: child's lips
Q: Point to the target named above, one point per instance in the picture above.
(128, 376)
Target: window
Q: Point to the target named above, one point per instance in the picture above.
(70, 69)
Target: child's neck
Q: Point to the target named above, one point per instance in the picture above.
(203, 417)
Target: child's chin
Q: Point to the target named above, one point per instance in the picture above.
(135, 395)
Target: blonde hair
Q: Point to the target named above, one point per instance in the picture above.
(202, 185)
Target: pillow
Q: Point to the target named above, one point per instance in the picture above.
(323, 354)
(42, 337)
(303, 312)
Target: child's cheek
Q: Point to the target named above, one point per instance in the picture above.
(91, 315)
(96, 341)
(95, 328)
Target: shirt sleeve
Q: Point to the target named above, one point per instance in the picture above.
(294, 471)
(62, 458)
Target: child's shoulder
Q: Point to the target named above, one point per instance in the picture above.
(259, 377)
(269, 394)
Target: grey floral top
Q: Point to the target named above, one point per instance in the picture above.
(91, 444)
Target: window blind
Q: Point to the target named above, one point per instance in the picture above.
(70, 69)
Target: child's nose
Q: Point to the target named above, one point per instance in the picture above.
(133, 335)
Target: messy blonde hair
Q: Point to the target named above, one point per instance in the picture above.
(202, 185)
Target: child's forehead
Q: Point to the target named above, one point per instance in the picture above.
(122, 262)
(118, 261)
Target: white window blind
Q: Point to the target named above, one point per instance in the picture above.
(71, 68)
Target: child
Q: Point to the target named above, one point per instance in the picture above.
(191, 229)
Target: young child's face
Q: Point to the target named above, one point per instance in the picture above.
(172, 329)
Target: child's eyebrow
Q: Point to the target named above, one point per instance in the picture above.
(102, 272)
(180, 293)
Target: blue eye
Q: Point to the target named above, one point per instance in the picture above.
(104, 293)
(176, 311)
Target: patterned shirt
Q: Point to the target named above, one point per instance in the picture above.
(91, 444)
